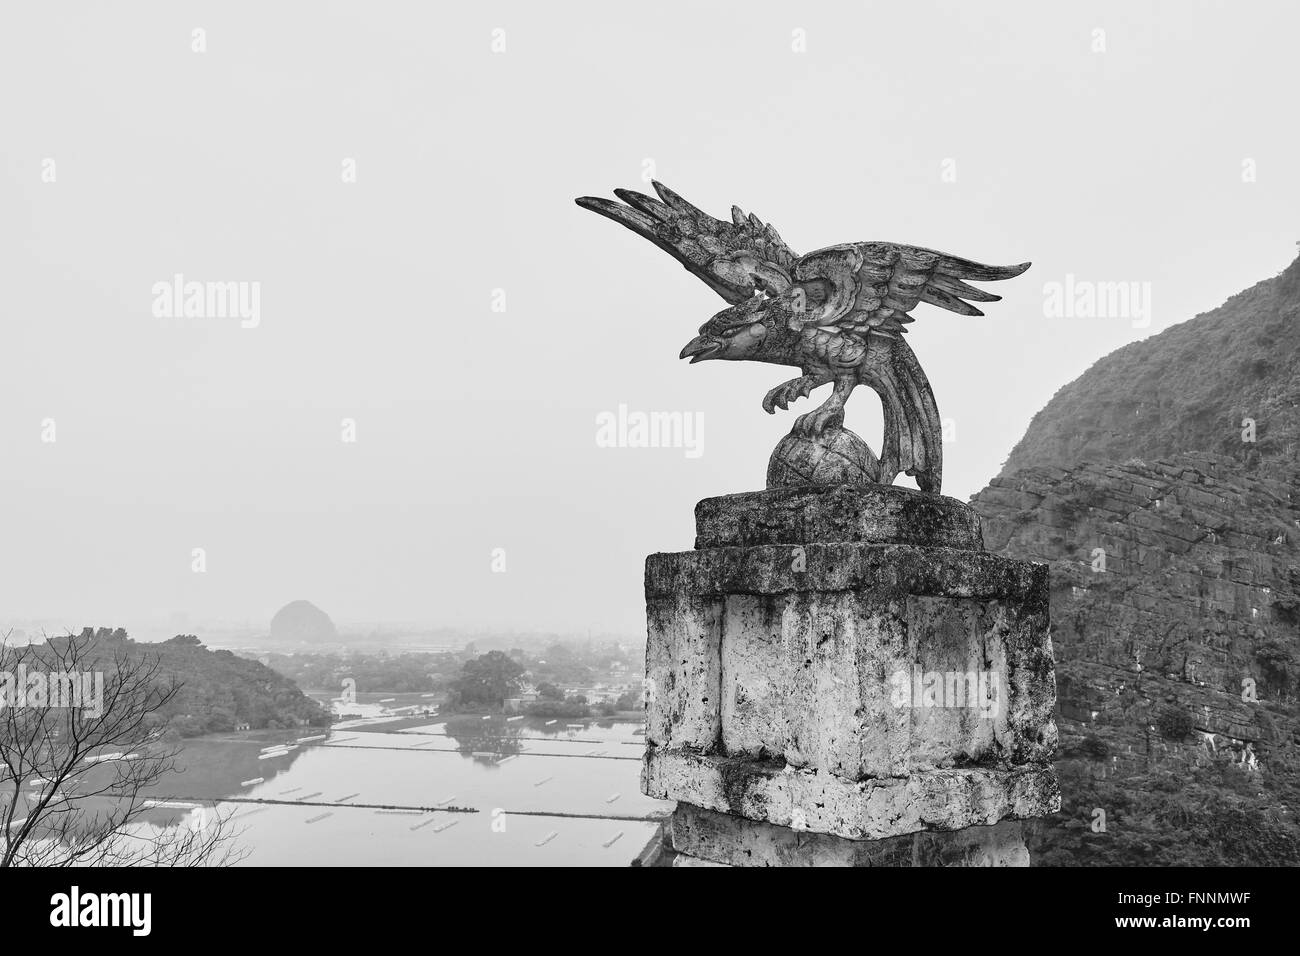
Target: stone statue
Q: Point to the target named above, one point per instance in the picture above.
(838, 673)
(836, 314)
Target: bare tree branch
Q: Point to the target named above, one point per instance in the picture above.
(80, 747)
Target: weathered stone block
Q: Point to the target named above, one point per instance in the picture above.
(870, 684)
(699, 836)
(683, 671)
(806, 668)
(868, 809)
(882, 515)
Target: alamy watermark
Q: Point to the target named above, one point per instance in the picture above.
(181, 299)
(71, 690)
(1086, 299)
(975, 690)
(633, 429)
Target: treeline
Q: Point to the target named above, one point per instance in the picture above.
(463, 675)
(487, 680)
(377, 672)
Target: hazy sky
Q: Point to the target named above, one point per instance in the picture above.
(1162, 150)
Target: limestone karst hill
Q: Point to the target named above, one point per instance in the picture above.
(302, 622)
(1174, 546)
(1188, 388)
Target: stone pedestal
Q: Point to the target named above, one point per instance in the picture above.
(834, 667)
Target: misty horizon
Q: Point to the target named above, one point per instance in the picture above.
(387, 392)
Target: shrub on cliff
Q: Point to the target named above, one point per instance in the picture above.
(1210, 816)
(1174, 723)
(1094, 748)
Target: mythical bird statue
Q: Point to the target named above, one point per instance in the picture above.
(836, 314)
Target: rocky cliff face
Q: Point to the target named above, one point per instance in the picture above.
(1175, 588)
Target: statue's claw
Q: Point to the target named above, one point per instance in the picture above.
(819, 421)
(787, 392)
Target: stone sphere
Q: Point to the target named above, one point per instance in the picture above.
(837, 457)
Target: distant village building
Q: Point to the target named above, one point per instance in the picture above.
(516, 704)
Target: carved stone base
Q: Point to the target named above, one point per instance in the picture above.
(807, 515)
(848, 661)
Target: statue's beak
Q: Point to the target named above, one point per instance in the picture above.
(700, 348)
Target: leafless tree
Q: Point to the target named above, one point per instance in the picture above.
(81, 744)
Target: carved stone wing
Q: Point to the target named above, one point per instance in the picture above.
(874, 285)
(733, 258)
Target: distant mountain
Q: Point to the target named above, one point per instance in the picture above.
(302, 622)
(1174, 546)
(1188, 388)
